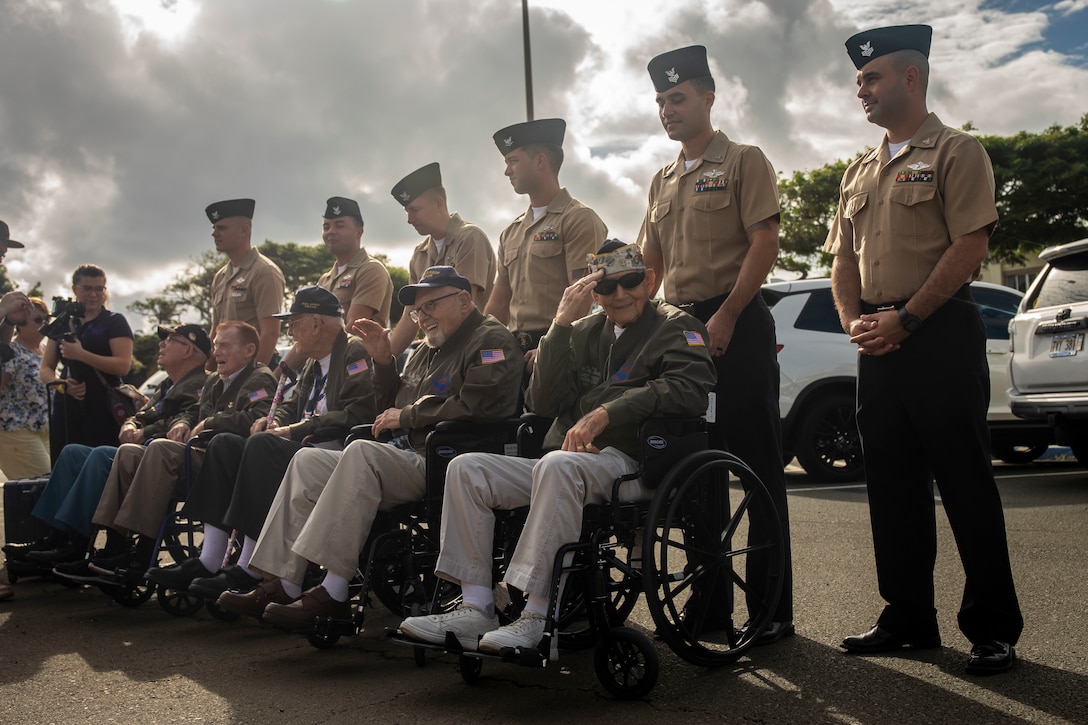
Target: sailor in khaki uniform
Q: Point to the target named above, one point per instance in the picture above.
(912, 229)
(543, 250)
(469, 369)
(249, 287)
(360, 282)
(450, 241)
(711, 229)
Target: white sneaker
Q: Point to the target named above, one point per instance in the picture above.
(525, 633)
(466, 623)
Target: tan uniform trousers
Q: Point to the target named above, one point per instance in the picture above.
(141, 483)
(326, 505)
(555, 487)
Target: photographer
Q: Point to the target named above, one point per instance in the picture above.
(95, 346)
(24, 429)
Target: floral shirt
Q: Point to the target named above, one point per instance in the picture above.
(23, 402)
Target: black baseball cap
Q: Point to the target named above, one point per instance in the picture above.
(433, 277)
(193, 333)
(313, 301)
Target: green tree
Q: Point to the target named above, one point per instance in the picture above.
(302, 264)
(145, 351)
(809, 200)
(1042, 189)
(399, 275)
(157, 310)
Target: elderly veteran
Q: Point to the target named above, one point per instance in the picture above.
(600, 377)
(79, 476)
(144, 479)
(470, 369)
(240, 476)
(544, 249)
(450, 242)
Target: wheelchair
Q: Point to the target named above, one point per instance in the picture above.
(398, 560)
(692, 550)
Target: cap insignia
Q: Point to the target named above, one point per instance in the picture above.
(508, 141)
(867, 48)
(336, 210)
(215, 215)
(672, 75)
(405, 195)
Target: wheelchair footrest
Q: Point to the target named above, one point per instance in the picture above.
(329, 627)
(450, 646)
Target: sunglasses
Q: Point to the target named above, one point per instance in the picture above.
(627, 281)
(24, 323)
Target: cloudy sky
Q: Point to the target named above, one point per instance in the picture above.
(120, 120)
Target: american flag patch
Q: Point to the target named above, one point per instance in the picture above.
(357, 367)
(258, 395)
(694, 339)
(488, 357)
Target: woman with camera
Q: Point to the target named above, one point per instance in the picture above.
(24, 425)
(95, 347)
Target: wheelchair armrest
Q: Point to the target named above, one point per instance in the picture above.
(663, 441)
(363, 432)
(326, 434)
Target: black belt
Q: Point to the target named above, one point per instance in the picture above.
(704, 310)
(528, 339)
(867, 308)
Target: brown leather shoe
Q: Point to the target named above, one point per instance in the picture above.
(269, 591)
(314, 603)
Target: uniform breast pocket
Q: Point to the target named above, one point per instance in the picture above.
(915, 211)
(709, 215)
(510, 254)
(548, 249)
(660, 211)
(855, 204)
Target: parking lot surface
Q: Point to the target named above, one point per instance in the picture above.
(73, 655)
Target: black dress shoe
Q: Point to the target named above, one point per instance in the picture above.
(52, 557)
(19, 551)
(991, 658)
(878, 640)
(231, 578)
(179, 576)
(774, 632)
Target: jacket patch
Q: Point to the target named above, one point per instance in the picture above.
(695, 339)
(440, 384)
(623, 373)
(490, 357)
(257, 395)
(359, 366)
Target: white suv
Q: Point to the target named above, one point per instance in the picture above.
(819, 376)
(1048, 372)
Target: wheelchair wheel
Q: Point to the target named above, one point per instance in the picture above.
(621, 589)
(219, 613)
(179, 603)
(402, 574)
(626, 663)
(712, 541)
(470, 668)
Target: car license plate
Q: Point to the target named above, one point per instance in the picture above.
(1066, 344)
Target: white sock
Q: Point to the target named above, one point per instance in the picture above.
(248, 545)
(214, 548)
(479, 597)
(291, 589)
(336, 586)
(536, 604)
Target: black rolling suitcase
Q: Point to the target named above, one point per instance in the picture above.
(19, 498)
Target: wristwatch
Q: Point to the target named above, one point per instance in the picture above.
(909, 322)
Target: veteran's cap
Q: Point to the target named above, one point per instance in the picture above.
(313, 301)
(614, 256)
(545, 130)
(338, 206)
(230, 207)
(871, 44)
(433, 277)
(676, 66)
(411, 186)
(5, 238)
(193, 333)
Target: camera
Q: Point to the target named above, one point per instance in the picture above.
(65, 311)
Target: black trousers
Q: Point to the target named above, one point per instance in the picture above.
(749, 425)
(922, 417)
(239, 480)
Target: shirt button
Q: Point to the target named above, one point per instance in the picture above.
(880, 202)
(876, 263)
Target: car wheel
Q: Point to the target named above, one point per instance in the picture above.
(828, 443)
(1080, 452)
(1019, 454)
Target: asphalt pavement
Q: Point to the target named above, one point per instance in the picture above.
(74, 655)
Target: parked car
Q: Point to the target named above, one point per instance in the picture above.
(819, 375)
(1048, 375)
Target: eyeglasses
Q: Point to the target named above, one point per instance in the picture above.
(292, 321)
(89, 288)
(627, 281)
(178, 340)
(24, 323)
(429, 306)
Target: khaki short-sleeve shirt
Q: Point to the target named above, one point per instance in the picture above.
(899, 216)
(698, 218)
(364, 281)
(537, 256)
(252, 293)
(467, 249)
